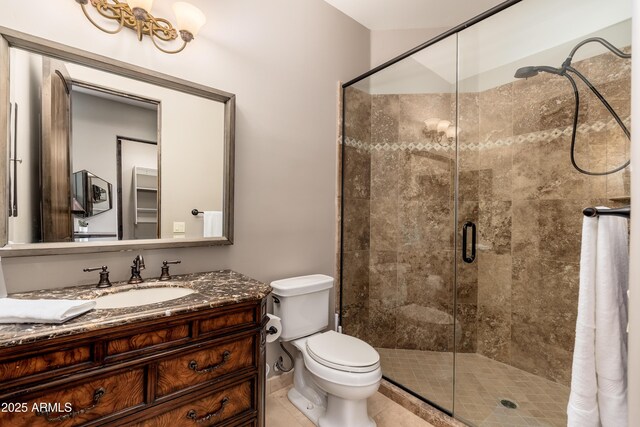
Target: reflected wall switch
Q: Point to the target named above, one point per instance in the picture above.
(178, 227)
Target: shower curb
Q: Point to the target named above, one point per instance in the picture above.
(418, 407)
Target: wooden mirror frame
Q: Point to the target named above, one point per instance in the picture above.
(10, 38)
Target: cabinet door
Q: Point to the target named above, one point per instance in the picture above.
(236, 401)
(57, 225)
(78, 404)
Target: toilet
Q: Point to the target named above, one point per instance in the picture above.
(334, 373)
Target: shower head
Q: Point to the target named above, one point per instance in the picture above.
(526, 72)
(532, 71)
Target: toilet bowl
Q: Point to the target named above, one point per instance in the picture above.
(334, 373)
(332, 381)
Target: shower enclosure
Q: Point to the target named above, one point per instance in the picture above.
(462, 212)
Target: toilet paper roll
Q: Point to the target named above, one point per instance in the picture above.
(274, 328)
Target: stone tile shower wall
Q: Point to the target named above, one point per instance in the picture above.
(517, 303)
(398, 289)
(412, 213)
(356, 196)
(530, 202)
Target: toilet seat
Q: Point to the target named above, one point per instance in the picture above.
(342, 352)
(347, 379)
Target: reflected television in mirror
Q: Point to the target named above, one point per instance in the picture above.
(91, 195)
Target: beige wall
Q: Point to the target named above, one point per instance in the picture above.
(282, 58)
(283, 65)
(191, 179)
(634, 277)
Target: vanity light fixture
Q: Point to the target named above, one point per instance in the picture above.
(135, 14)
(436, 129)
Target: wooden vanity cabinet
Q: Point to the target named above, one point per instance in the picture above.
(200, 368)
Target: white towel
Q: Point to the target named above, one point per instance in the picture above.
(212, 224)
(3, 286)
(612, 281)
(41, 310)
(598, 379)
(582, 410)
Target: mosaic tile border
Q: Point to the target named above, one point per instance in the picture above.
(539, 136)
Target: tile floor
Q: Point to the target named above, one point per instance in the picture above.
(480, 384)
(385, 412)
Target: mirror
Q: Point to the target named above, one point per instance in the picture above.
(104, 155)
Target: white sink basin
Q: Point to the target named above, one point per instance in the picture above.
(136, 297)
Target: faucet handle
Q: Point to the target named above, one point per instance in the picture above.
(165, 269)
(104, 276)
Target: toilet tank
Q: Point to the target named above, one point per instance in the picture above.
(303, 304)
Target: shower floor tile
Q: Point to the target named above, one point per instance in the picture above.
(480, 385)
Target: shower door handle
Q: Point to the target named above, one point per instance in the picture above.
(465, 231)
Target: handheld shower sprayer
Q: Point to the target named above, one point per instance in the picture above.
(532, 71)
(564, 70)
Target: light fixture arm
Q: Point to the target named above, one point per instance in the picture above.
(180, 49)
(139, 20)
(120, 17)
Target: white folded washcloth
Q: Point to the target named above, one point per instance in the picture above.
(212, 224)
(42, 310)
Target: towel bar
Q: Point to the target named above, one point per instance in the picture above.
(195, 212)
(594, 212)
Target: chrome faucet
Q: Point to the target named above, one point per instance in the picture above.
(138, 265)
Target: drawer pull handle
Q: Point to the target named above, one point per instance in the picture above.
(193, 365)
(192, 414)
(97, 395)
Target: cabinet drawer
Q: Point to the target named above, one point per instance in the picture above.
(235, 319)
(148, 339)
(210, 410)
(204, 365)
(47, 362)
(78, 404)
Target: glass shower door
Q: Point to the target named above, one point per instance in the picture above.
(398, 249)
(516, 302)
(462, 212)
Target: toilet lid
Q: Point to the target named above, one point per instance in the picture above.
(343, 352)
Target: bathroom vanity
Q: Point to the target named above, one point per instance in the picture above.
(195, 360)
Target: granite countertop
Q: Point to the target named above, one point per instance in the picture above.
(213, 289)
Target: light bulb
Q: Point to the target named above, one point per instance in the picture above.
(431, 124)
(190, 19)
(443, 125)
(140, 4)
